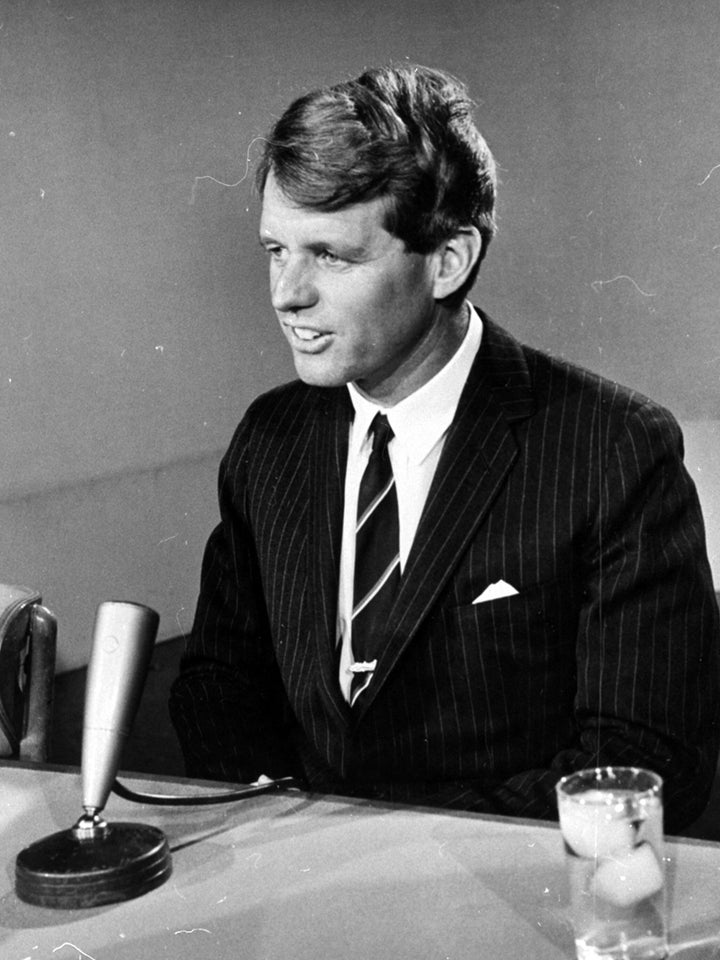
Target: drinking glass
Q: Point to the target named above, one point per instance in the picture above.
(611, 820)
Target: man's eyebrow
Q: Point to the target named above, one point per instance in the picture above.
(341, 247)
(344, 250)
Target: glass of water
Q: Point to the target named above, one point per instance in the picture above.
(611, 820)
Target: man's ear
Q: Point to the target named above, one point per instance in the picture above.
(456, 258)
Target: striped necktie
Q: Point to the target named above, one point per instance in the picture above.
(377, 556)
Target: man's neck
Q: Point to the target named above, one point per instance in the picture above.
(432, 353)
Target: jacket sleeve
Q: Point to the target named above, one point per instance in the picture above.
(648, 671)
(228, 704)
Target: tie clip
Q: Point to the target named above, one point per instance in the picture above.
(363, 666)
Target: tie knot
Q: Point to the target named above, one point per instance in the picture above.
(382, 432)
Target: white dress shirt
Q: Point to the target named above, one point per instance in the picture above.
(419, 423)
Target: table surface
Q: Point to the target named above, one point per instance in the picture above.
(294, 876)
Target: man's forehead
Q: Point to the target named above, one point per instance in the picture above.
(279, 211)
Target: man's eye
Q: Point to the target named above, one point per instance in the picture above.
(329, 257)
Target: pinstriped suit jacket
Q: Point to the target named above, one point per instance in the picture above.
(570, 488)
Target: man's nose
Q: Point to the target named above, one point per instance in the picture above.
(293, 287)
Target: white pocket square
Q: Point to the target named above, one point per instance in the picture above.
(495, 591)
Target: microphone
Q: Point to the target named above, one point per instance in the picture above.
(94, 862)
(123, 641)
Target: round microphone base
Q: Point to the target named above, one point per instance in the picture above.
(118, 862)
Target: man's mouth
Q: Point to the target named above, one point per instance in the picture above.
(308, 339)
(305, 333)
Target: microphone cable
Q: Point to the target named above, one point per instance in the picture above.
(227, 796)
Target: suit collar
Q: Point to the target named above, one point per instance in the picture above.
(501, 367)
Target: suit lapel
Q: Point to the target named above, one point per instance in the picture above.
(479, 451)
(328, 458)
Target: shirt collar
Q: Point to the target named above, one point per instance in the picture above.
(421, 419)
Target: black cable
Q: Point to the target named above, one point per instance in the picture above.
(242, 793)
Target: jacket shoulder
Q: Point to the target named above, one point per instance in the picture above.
(283, 414)
(275, 403)
(553, 379)
(559, 380)
(551, 392)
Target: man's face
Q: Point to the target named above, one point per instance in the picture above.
(353, 303)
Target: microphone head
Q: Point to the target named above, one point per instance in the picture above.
(122, 646)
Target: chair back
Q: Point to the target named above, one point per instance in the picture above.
(28, 634)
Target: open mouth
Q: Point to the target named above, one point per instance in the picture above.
(306, 334)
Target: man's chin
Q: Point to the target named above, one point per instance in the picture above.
(315, 376)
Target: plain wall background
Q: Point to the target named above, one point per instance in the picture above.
(135, 316)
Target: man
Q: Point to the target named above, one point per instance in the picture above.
(502, 578)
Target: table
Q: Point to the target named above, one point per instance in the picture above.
(297, 876)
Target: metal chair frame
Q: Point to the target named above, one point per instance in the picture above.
(28, 640)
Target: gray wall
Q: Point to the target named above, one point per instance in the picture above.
(133, 294)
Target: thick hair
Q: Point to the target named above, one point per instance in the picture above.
(404, 134)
